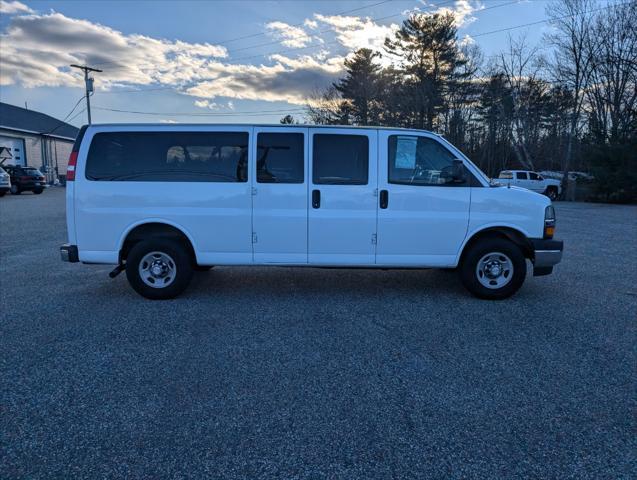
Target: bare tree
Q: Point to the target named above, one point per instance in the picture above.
(613, 90)
(520, 65)
(572, 60)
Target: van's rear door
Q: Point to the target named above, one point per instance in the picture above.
(69, 181)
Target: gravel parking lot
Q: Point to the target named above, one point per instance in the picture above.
(316, 373)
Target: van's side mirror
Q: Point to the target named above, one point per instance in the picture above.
(454, 173)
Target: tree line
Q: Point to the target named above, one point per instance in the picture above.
(567, 106)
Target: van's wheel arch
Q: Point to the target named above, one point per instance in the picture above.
(158, 235)
(159, 268)
(493, 266)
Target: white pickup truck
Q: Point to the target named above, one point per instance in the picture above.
(532, 181)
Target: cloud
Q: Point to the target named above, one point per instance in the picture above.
(290, 79)
(357, 32)
(11, 8)
(290, 36)
(207, 104)
(462, 12)
(37, 50)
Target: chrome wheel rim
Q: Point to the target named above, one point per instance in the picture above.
(157, 269)
(494, 270)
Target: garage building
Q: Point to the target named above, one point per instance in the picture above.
(35, 139)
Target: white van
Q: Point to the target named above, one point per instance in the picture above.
(160, 201)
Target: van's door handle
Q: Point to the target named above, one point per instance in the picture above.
(316, 199)
(384, 198)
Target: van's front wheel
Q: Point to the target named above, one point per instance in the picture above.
(493, 269)
(159, 269)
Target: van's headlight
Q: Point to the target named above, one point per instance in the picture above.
(549, 222)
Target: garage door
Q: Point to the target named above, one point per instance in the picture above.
(12, 151)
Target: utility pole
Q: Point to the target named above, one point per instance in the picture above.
(88, 82)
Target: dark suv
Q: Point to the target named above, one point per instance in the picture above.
(25, 179)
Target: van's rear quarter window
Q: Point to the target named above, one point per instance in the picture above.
(168, 157)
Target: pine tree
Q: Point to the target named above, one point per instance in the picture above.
(426, 47)
(360, 88)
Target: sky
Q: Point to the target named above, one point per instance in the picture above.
(238, 61)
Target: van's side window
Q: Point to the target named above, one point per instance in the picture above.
(417, 160)
(168, 157)
(280, 158)
(340, 159)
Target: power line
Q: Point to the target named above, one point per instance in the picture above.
(545, 20)
(253, 35)
(77, 114)
(225, 42)
(438, 5)
(63, 121)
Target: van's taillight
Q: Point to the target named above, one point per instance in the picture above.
(70, 169)
(549, 222)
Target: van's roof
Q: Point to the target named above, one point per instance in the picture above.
(168, 125)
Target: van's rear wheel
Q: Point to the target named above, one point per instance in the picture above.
(159, 269)
(493, 269)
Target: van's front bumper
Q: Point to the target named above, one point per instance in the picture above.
(546, 254)
(68, 253)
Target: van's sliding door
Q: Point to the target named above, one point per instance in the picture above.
(342, 201)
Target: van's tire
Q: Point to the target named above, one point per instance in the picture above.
(15, 190)
(2, 194)
(493, 269)
(165, 263)
(38, 191)
(551, 192)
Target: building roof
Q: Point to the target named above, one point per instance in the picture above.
(30, 121)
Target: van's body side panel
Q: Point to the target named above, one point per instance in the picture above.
(517, 208)
(217, 215)
(279, 211)
(422, 224)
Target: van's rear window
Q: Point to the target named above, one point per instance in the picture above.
(168, 157)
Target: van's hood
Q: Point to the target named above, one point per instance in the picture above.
(522, 194)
